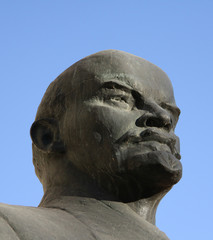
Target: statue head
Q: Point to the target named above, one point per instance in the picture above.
(111, 116)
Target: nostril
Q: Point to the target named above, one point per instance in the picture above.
(138, 123)
(158, 122)
(154, 122)
(168, 126)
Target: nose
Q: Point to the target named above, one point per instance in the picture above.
(159, 118)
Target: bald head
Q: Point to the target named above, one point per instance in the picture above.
(87, 75)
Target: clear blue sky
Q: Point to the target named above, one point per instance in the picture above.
(40, 39)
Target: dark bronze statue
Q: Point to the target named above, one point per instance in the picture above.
(105, 151)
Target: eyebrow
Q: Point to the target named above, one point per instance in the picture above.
(115, 84)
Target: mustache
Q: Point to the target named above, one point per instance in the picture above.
(152, 134)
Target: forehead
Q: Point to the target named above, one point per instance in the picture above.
(124, 69)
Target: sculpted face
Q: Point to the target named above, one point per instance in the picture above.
(119, 125)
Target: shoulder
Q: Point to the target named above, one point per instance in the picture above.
(19, 222)
(7, 230)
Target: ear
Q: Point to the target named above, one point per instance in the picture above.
(46, 136)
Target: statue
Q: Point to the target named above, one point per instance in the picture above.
(105, 151)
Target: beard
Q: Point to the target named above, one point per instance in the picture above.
(144, 170)
(132, 167)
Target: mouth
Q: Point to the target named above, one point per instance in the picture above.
(151, 135)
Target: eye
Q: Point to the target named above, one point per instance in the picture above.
(121, 101)
(118, 99)
(115, 97)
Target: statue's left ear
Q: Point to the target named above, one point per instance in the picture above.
(46, 136)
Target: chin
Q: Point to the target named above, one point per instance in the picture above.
(156, 166)
(147, 174)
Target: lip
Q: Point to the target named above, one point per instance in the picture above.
(151, 134)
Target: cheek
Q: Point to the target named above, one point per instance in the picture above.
(108, 123)
(91, 134)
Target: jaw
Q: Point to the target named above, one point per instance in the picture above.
(129, 175)
(144, 175)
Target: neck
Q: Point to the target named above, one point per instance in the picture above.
(73, 183)
(80, 185)
(147, 207)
